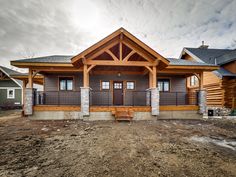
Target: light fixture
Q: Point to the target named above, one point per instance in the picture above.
(118, 74)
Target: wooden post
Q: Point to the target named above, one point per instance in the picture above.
(30, 79)
(154, 78)
(23, 91)
(86, 76)
(201, 81)
(150, 79)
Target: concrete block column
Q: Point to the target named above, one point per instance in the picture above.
(28, 101)
(155, 98)
(85, 101)
(202, 102)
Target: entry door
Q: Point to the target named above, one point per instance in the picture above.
(118, 93)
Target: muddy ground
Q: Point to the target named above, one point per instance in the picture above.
(77, 148)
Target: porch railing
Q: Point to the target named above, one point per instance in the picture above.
(105, 98)
(178, 98)
(130, 98)
(57, 98)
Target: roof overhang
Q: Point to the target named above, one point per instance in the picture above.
(38, 79)
(40, 64)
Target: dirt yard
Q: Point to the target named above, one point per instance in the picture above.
(77, 148)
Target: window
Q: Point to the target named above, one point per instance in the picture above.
(66, 83)
(117, 85)
(105, 85)
(193, 80)
(10, 93)
(164, 85)
(130, 85)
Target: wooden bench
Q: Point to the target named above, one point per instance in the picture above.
(123, 114)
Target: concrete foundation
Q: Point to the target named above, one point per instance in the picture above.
(56, 115)
(179, 115)
(94, 116)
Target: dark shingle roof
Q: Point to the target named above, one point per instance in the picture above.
(10, 71)
(49, 59)
(227, 57)
(223, 72)
(183, 62)
(208, 55)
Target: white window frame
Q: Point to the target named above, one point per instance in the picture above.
(128, 86)
(13, 95)
(105, 85)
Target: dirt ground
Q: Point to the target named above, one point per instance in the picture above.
(144, 148)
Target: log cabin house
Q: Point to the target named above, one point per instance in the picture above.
(119, 76)
(220, 84)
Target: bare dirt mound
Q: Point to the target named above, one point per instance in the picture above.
(76, 148)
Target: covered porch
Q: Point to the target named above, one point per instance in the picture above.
(119, 71)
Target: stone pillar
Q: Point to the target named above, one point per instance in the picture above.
(28, 102)
(148, 97)
(85, 101)
(155, 97)
(202, 103)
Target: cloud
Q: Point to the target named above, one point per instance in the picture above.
(44, 27)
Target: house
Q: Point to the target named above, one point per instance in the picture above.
(119, 74)
(10, 89)
(220, 84)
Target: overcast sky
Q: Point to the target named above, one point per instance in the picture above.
(48, 27)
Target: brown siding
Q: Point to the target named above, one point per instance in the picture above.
(231, 66)
(51, 81)
(178, 84)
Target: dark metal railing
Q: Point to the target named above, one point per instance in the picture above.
(130, 98)
(105, 98)
(57, 98)
(178, 98)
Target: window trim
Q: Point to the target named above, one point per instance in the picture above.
(8, 95)
(101, 85)
(126, 84)
(195, 81)
(59, 84)
(164, 79)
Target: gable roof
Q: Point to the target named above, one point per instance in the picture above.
(10, 72)
(206, 55)
(80, 56)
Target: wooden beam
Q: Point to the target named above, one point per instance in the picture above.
(154, 78)
(150, 79)
(120, 47)
(96, 54)
(129, 55)
(112, 55)
(140, 52)
(201, 81)
(150, 70)
(91, 67)
(118, 63)
(30, 78)
(86, 76)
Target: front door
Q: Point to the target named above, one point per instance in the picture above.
(118, 93)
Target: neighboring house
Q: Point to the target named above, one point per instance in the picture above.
(220, 84)
(10, 89)
(119, 74)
